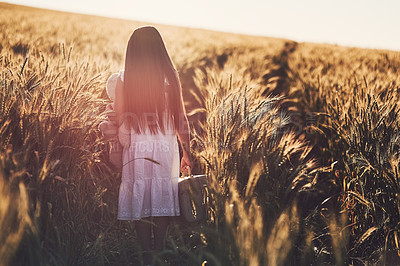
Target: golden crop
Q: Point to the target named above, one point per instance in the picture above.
(300, 143)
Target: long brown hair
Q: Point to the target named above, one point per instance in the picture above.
(148, 67)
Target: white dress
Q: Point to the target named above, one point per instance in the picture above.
(150, 174)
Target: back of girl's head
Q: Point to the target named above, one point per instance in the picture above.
(146, 46)
(147, 66)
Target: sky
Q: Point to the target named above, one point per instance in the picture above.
(361, 23)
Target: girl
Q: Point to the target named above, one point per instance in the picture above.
(149, 108)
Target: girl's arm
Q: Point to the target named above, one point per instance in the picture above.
(183, 133)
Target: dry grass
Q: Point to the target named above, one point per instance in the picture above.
(300, 143)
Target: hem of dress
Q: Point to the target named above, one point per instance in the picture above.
(146, 216)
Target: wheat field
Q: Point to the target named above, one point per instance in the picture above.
(300, 143)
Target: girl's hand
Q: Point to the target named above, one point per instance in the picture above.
(185, 162)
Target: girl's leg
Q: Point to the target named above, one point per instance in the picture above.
(160, 229)
(143, 231)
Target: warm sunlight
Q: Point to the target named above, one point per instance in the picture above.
(368, 23)
(205, 133)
